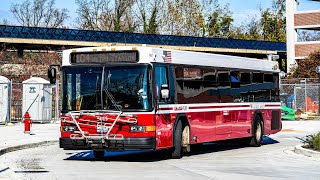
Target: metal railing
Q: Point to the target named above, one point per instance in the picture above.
(134, 38)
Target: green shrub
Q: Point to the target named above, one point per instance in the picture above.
(313, 142)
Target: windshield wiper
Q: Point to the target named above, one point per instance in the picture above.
(96, 93)
(110, 96)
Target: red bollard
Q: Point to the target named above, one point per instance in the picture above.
(27, 123)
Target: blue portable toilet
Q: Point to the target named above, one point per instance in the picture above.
(290, 101)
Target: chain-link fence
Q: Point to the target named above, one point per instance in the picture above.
(40, 100)
(300, 94)
(16, 102)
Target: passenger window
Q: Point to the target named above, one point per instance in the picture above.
(235, 79)
(192, 79)
(257, 77)
(179, 79)
(223, 78)
(209, 78)
(268, 78)
(210, 86)
(234, 76)
(245, 78)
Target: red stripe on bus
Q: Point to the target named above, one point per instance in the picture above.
(165, 109)
(209, 107)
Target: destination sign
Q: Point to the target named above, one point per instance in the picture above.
(105, 57)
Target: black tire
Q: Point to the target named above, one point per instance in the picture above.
(99, 154)
(177, 148)
(257, 132)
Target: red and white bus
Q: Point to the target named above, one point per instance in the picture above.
(133, 98)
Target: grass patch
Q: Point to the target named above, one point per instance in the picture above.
(313, 142)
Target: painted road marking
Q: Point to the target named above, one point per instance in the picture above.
(291, 130)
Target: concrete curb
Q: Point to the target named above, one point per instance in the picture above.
(26, 146)
(9, 172)
(307, 152)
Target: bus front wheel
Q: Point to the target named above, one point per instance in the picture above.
(177, 142)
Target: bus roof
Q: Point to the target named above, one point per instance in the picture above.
(150, 55)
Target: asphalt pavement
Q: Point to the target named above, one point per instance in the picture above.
(13, 138)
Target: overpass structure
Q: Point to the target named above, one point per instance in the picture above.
(36, 38)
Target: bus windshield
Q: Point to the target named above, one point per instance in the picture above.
(86, 88)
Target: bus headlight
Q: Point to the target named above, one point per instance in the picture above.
(137, 128)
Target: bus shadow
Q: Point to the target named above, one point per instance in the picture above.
(160, 155)
(126, 156)
(224, 146)
(267, 141)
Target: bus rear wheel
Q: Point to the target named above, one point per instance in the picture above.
(185, 143)
(257, 137)
(177, 142)
(99, 154)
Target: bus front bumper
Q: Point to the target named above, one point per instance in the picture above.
(146, 143)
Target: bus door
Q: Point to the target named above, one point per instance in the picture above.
(163, 80)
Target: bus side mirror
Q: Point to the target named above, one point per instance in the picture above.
(52, 75)
(164, 91)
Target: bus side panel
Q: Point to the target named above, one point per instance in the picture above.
(272, 121)
(220, 125)
(164, 123)
(223, 125)
(211, 124)
(202, 126)
(267, 120)
(242, 123)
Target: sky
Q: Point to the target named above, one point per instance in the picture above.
(243, 10)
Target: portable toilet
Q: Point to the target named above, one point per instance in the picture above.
(4, 99)
(37, 99)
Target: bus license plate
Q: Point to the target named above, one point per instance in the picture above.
(102, 129)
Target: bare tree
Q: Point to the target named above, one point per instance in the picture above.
(94, 14)
(220, 21)
(123, 20)
(149, 15)
(106, 15)
(4, 22)
(186, 17)
(39, 13)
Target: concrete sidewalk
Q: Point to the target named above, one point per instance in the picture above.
(12, 138)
